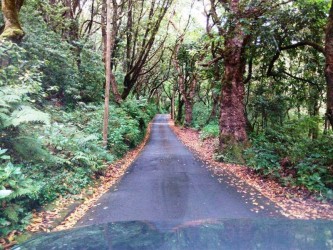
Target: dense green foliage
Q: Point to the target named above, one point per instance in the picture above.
(285, 96)
(67, 153)
(51, 116)
(289, 155)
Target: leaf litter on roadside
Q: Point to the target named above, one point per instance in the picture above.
(296, 203)
(51, 220)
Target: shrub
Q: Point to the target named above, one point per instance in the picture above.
(287, 154)
(262, 157)
(17, 193)
(210, 130)
(201, 114)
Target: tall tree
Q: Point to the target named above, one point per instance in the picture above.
(117, 12)
(12, 29)
(141, 45)
(186, 77)
(236, 26)
(329, 66)
(107, 74)
(232, 116)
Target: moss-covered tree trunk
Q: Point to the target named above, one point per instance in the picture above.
(12, 30)
(188, 113)
(232, 108)
(215, 96)
(189, 100)
(180, 109)
(329, 67)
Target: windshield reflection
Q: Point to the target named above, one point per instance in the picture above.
(218, 234)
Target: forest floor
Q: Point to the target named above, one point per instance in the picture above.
(295, 203)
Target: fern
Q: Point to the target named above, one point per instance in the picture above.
(16, 190)
(83, 141)
(4, 110)
(13, 110)
(11, 98)
(3, 119)
(11, 212)
(4, 193)
(4, 103)
(12, 94)
(26, 114)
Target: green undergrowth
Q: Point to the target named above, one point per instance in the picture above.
(285, 153)
(60, 158)
(232, 153)
(209, 130)
(208, 126)
(51, 117)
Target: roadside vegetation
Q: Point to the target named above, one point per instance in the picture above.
(286, 91)
(51, 118)
(267, 99)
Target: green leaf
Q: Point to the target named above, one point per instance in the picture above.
(5, 193)
(26, 114)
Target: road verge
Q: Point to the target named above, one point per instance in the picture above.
(295, 203)
(64, 213)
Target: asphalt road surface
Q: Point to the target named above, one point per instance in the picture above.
(168, 183)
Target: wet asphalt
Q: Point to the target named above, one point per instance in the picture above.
(167, 182)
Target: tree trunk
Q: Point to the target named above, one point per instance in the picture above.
(12, 30)
(114, 88)
(188, 101)
(103, 28)
(112, 41)
(128, 85)
(188, 112)
(232, 119)
(215, 107)
(186, 97)
(173, 106)
(140, 45)
(180, 109)
(107, 74)
(216, 98)
(114, 32)
(329, 67)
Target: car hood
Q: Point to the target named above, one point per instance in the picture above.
(203, 234)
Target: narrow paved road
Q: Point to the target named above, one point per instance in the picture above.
(167, 182)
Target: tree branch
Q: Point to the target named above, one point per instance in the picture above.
(305, 43)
